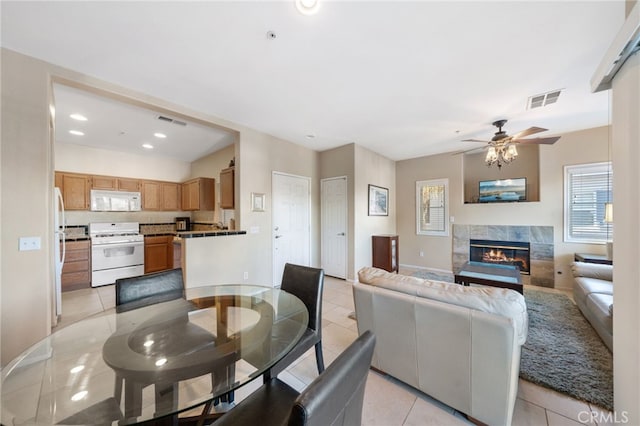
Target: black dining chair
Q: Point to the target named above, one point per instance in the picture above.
(307, 284)
(149, 289)
(335, 397)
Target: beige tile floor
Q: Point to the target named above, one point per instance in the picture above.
(387, 402)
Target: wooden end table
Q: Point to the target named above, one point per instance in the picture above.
(503, 276)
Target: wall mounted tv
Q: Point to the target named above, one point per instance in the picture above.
(503, 190)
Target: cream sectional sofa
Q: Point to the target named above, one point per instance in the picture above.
(460, 345)
(593, 293)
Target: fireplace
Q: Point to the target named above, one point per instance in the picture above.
(501, 252)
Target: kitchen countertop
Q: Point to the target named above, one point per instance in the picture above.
(212, 233)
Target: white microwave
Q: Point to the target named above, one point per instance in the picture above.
(115, 201)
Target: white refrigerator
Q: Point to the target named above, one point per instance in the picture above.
(59, 250)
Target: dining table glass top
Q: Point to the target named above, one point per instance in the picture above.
(154, 361)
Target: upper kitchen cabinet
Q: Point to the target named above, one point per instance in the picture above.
(115, 183)
(227, 182)
(158, 195)
(75, 190)
(198, 194)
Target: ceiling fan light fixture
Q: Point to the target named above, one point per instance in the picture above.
(491, 156)
(308, 7)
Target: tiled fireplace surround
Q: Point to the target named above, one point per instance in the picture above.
(541, 251)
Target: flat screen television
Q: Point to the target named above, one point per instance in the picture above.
(503, 190)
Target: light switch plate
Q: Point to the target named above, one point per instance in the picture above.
(30, 243)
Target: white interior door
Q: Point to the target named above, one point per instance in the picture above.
(334, 226)
(291, 222)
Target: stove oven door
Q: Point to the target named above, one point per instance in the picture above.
(112, 261)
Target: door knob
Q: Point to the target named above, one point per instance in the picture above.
(278, 236)
(341, 234)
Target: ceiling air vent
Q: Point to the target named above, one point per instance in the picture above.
(543, 99)
(171, 120)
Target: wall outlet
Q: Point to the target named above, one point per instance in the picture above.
(30, 243)
(421, 253)
(246, 275)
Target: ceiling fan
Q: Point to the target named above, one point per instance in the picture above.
(501, 149)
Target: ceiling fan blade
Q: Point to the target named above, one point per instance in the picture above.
(529, 131)
(475, 140)
(539, 141)
(470, 150)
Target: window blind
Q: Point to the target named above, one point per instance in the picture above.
(588, 189)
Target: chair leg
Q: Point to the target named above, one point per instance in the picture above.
(319, 359)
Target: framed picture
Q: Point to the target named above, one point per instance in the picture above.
(378, 201)
(257, 202)
(432, 207)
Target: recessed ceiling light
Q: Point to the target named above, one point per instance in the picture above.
(308, 7)
(161, 362)
(160, 135)
(147, 146)
(78, 117)
(76, 132)
(310, 136)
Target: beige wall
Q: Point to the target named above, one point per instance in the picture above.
(341, 162)
(97, 161)
(27, 179)
(476, 170)
(361, 167)
(210, 167)
(626, 201)
(371, 168)
(26, 286)
(259, 156)
(573, 148)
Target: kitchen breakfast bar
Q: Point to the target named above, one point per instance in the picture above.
(219, 257)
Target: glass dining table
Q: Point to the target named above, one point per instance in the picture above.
(153, 362)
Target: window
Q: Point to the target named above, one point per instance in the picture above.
(587, 189)
(432, 207)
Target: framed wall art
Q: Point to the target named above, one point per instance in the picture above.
(378, 201)
(257, 202)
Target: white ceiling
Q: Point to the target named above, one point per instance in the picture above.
(125, 127)
(404, 79)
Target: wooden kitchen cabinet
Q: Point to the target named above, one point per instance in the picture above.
(385, 252)
(130, 185)
(158, 253)
(75, 190)
(76, 271)
(158, 195)
(104, 182)
(170, 196)
(198, 194)
(227, 183)
(113, 183)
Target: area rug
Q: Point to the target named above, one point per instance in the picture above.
(563, 352)
(434, 276)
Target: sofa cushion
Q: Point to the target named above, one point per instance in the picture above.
(592, 270)
(599, 305)
(593, 285)
(499, 301)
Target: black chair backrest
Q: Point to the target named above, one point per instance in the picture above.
(306, 283)
(336, 396)
(144, 290)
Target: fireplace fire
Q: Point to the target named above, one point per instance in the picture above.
(501, 252)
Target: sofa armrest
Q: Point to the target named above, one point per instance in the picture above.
(592, 270)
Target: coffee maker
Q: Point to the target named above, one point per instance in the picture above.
(183, 224)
